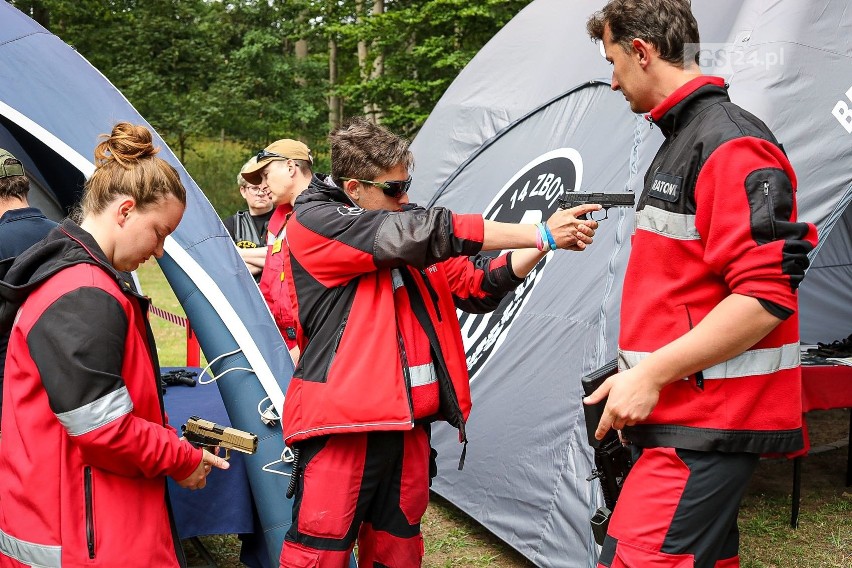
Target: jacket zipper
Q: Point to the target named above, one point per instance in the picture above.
(699, 375)
(406, 373)
(433, 295)
(337, 339)
(771, 205)
(90, 517)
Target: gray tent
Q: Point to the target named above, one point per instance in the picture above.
(533, 114)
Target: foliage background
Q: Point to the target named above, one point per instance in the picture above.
(247, 72)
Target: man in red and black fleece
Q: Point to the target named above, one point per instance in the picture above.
(377, 281)
(709, 342)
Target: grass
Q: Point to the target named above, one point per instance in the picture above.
(170, 338)
(823, 539)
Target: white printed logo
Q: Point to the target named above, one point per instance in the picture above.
(842, 114)
(530, 196)
(349, 211)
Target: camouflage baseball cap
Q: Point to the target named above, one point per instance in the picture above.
(10, 165)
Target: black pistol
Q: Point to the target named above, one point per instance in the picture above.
(612, 458)
(605, 200)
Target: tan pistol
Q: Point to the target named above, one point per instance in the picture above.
(208, 434)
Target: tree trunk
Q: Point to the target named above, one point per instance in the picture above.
(334, 110)
(362, 45)
(38, 12)
(378, 63)
(300, 50)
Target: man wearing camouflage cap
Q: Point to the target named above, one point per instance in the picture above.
(21, 226)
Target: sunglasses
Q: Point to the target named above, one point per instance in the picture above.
(267, 155)
(393, 189)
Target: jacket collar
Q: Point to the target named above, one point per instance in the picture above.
(684, 104)
(323, 188)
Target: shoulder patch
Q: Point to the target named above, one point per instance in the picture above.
(666, 187)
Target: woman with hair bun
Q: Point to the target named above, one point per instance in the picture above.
(86, 448)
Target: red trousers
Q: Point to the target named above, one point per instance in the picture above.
(371, 487)
(678, 509)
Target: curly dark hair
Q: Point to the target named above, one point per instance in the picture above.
(667, 24)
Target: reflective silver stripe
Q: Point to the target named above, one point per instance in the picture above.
(673, 225)
(750, 363)
(95, 414)
(422, 375)
(37, 555)
(396, 278)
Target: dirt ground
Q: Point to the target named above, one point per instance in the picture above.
(822, 540)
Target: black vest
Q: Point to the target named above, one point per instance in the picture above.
(245, 231)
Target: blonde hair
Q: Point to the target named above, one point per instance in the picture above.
(126, 164)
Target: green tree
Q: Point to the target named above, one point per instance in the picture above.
(257, 70)
(423, 44)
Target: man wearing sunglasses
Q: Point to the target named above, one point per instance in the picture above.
(283, 170)
(377, 282)
(248, 227)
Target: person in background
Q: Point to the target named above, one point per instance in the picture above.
(709, 341)
(21, 226)
(378, 281)
(86, 448)
(248, 227)
(284, 170)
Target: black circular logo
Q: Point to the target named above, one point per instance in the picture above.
(529, 197)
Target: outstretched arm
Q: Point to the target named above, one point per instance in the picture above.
(568, 231)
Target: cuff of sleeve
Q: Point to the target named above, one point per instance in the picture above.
(776, 310)
(192, 456)
(470, 230)
(516, 280)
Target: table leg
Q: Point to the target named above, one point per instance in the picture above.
(849, 453)
(797, 483)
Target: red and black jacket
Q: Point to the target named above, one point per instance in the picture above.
(86, 449)
(717, 217)
(377, 293)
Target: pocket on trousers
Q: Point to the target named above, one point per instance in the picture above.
(414, 485)
(627, 556)
(331, 484)
(296, 556)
